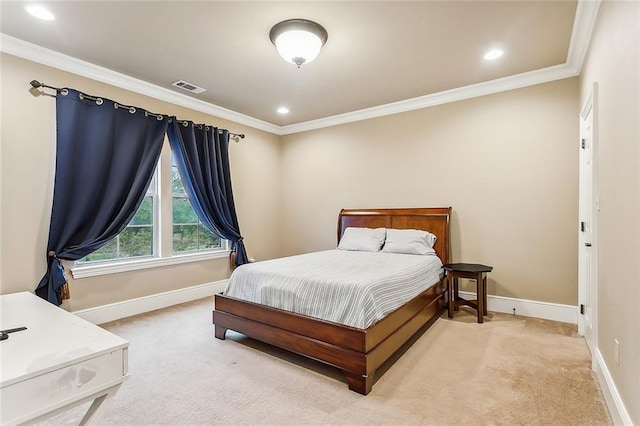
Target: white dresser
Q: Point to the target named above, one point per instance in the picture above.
(59, 361)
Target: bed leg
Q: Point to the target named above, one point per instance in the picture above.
(220, 331)
(359, 383)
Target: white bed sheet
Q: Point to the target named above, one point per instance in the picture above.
(353, 288)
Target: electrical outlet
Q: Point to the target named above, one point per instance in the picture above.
(616, 351)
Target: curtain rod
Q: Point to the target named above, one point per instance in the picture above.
(36, 85)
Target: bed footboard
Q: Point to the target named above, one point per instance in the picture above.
(357, 352)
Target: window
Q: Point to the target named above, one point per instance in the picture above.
(137, 239)
(164, 231)
(189, 234)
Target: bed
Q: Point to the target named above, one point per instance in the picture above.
(358, 352)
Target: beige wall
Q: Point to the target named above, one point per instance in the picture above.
(613, 61)
(506, 163)
(27, 169)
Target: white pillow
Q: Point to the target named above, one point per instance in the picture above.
(362, 239)
(409, 241)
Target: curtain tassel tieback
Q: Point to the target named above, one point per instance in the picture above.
(65, 294)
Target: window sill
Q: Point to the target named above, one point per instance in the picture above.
(86, 271)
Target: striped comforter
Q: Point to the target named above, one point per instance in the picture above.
(354, 288)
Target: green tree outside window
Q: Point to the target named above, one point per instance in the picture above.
(189, 234)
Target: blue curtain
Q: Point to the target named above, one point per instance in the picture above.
(202, 157)
(106, 155)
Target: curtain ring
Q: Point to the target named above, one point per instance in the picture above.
(157, 116)
(64, 92)
(98, 101)
(185, 123)
(131, 109)
(200, 126)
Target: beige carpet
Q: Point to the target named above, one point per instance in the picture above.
(511, 370)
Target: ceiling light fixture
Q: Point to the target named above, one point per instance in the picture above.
(298, 40)
(40, 12)
(283, 110)
(493, 54)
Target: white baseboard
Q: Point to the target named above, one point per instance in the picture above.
(529, 308)
(617, 410)
(127, 308)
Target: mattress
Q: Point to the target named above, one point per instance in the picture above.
(353, 288)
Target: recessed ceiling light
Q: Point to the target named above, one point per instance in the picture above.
(493, 54)
(283, 110)
(40, 12)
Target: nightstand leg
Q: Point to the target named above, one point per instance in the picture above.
(450, 295)
(484, 291)
(480, 297)
(456, 295)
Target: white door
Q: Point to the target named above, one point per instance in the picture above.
(587, 250)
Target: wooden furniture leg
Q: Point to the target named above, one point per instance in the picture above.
(360, 384)
(456, 295)
(484, 291)
(480, 297)
(450, 296)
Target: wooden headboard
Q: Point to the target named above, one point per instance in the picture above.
(432, 219)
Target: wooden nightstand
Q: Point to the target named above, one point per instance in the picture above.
(471, 271)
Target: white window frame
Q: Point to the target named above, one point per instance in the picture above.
(162, 244)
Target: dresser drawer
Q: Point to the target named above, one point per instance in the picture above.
(44, 393)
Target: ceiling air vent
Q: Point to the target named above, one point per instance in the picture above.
(188, 86)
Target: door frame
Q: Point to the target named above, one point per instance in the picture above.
(590, 105)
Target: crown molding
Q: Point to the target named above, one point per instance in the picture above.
(41, 55)
(583, 25)
(584, 22)
(545, 75)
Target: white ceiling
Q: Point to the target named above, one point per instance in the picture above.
(377, 53)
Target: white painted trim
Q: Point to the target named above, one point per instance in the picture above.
(545, 75)
(617, 410)
(114, 311)
(583, 25)
(96, 269)
(127, 308)
(529, 308)
(41, 55)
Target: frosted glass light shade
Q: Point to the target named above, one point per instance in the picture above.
(298, 47)
(298, 40)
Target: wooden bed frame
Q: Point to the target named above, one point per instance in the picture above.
(358, 352)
